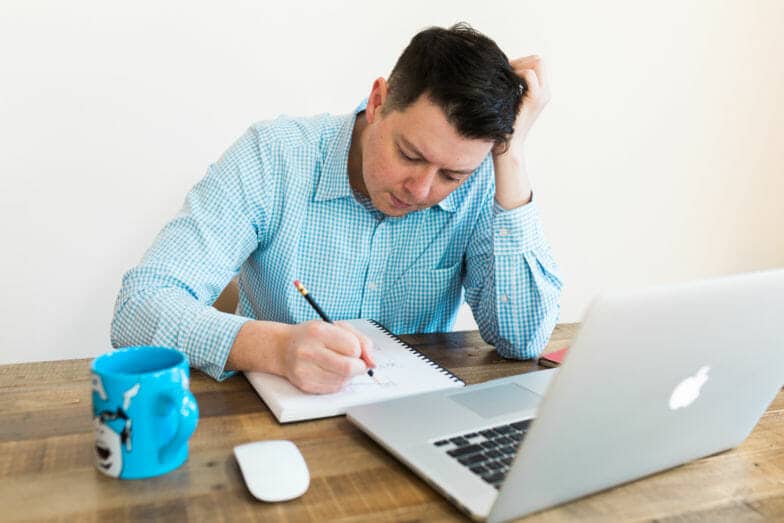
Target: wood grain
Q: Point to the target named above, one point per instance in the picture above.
(47, 472)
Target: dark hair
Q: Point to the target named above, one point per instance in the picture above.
(465, 74)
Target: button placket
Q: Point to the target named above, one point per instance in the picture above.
(374, 278)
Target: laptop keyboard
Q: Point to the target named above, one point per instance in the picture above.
(487, 453)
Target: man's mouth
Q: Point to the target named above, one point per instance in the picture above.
(399, 204)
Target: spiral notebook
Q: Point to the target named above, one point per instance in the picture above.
(401, 370)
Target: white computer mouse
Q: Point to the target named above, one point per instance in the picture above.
(274, 470)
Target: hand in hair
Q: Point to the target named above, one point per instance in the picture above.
(531, 69)
(512, 186)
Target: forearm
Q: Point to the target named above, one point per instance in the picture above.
(516, 286)
(526, 294)
(156, 313)
(512, 283)
(258, 347)
(513, 188)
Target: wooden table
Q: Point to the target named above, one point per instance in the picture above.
(47, 472)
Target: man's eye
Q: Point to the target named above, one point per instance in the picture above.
(406, 157)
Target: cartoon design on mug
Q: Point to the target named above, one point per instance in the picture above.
(108, 450)
(109, 442)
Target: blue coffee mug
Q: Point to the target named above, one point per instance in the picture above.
(143, 411)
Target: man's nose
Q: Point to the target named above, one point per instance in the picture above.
(418, 185)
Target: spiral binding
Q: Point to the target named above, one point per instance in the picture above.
(439, 368)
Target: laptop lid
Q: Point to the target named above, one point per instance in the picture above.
(654, 379)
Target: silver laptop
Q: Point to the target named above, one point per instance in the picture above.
(654, 379)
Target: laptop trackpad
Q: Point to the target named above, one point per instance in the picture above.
(497, 400)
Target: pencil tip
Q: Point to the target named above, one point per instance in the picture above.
(370, 372)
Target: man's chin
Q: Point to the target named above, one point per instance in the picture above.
(389, 210)
(396, 213)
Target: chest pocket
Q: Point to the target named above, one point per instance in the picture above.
(424, 299)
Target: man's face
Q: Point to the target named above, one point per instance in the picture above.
(413, 159)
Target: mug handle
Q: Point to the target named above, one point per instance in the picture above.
(189, 418)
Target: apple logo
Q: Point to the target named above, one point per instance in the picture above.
(689, 389)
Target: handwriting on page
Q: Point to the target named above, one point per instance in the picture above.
(365, 382)
(380, 379)
(384, 363)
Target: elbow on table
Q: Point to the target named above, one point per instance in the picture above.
(523, 345)
(525, 351)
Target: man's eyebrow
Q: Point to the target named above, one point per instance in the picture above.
(417, 152)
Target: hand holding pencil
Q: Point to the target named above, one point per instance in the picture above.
(312, 301)
(322, 356)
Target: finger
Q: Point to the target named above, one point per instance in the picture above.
(337, 364)
(319, 381)
(534, 62)
(541, 72)
(531, 80)
(525, 60)
(365, 343)
(338, 339)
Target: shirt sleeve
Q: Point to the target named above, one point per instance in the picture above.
(512, 282)
(166, 299)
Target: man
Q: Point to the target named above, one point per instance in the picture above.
(387, 213)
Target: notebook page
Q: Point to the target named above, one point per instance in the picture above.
(399, 372)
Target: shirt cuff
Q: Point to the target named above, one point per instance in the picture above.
(209, 341)
(517, 230)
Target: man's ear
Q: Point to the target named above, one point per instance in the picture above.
(378, 95)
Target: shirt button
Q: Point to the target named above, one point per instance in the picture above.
(504, 298)
(372, 285)
(503, 232)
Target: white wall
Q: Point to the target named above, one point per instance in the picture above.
(659, 158)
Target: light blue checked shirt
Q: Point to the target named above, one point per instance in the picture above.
(277, 207)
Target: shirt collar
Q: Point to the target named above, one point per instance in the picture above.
(449, 203)
(333, 182)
